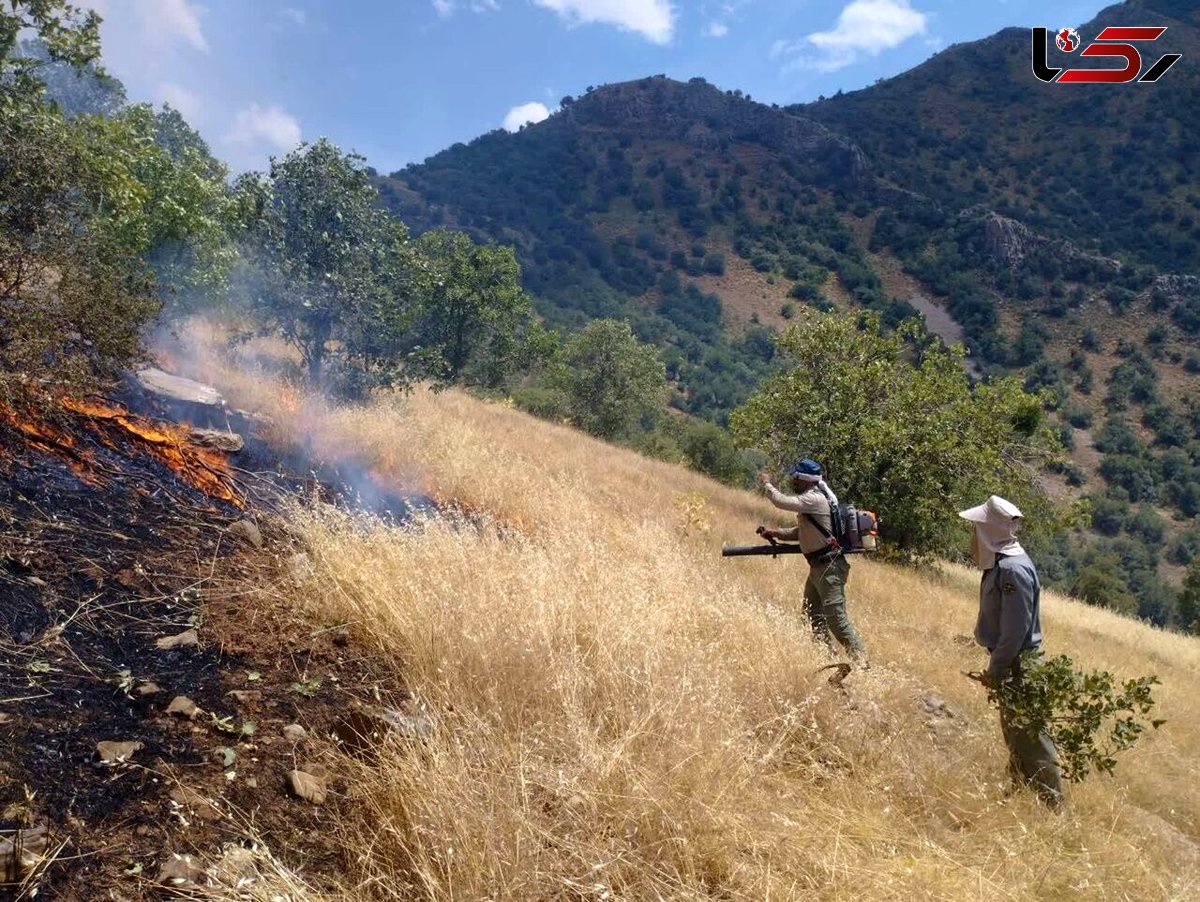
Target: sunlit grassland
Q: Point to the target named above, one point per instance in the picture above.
(624, 714)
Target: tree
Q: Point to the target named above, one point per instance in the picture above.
(1189, 599)
(328, 256)
(73, 296)
(611, 379)
(897, 423)
(470, 308)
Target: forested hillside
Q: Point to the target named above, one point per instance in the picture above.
(1053, 228)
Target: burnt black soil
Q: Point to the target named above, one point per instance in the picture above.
(90, 577)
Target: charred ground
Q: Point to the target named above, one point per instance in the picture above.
(105, 550)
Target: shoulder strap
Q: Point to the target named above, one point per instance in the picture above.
(817, 523)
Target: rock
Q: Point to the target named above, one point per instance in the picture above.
(148, 688)
(111, 751)
(246, 697)
(245, 529)
(20, 853)
(177, 388)
(218, 440)
(179, 870)
(934, 704)
(307, 786)
(295, 732)
(299, 566)
(186, 639)
(195, 802)
(183, 706)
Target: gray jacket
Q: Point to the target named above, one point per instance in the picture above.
(1009, 611)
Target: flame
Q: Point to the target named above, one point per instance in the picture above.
(50, 439)
(203, 468)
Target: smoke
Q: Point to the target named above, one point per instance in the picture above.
(296, 438)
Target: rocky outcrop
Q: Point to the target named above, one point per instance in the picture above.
(705, 117)
(1008, 243)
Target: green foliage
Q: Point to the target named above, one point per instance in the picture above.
(1089, 715)
(1189, 599)
(68, 33)
(73, 295)
(610, 379)
(163, 196)
(911, 438)
(469, 311)
(330, 259)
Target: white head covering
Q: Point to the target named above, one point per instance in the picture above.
(996, 522)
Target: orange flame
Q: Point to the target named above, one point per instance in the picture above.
(51, 440)
(203, 468)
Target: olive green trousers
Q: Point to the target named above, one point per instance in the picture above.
(825, 605)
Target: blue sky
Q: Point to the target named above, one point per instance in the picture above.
(399, 80)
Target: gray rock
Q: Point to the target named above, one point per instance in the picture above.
(245, 697)
(308, 787)
(186, 639)
(180, 870)
(111, 751)
(183, 706)
(218, 440)
(295, 732)
(934, 704)
(245, 529)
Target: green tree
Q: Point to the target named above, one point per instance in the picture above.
(73, 297)
(897, 424)
(162, 195)
(611, 379)
(471, 310)
(1101, 582)
(67, 32)
(1189, 599)
(329, 259)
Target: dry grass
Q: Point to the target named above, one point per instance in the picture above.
(625, 715)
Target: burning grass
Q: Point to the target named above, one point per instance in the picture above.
(40, 426)
(623, 714)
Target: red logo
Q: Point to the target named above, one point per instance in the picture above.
(1112, 41)
(1067, 40)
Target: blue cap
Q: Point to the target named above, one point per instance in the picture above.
(806, 469)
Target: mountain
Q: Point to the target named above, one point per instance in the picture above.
(1053, 228)
(1113, 168)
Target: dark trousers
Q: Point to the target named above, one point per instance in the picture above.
(1032, 758)
(825, 605)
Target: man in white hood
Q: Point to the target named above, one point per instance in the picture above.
(1010, 623)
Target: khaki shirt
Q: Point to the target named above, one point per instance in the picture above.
(812, 502)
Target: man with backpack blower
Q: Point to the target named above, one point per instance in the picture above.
(825, 590)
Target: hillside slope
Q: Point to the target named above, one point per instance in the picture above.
(623, 714)
(1051, 228)
(1113, 168)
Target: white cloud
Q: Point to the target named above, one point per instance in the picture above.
(652, 19)
(172, 20)
(297, 17)
(716, 30)
(526, 113)
(864, 27)
(446, 8)
(270, 128)
(187, 102)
